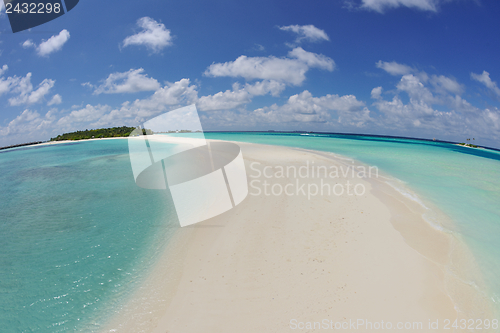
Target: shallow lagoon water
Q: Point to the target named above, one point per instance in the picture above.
(77, 235)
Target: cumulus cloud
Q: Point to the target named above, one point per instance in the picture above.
(28, 43)
(485, 79)
(265, 87)
(3, 70)
(421, 119)
(382, 5)
(306, 33)
(7, 84)
(416, 89)
(412, 81)
(238, 96)
(312, 59)
(444, 85)
(420, 104)
(376, 93)
(289, 70)
(53, 44)
(56, 99)
(28, 126)
(165, 98)
(24, 88)
(154, 35)
(87, 114)
(394, 68)
(306, 108)
(168, 97)
(127, 82)
(228, 99)
(180, 92)
(435, 109)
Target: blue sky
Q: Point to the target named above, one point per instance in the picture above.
(421, 68)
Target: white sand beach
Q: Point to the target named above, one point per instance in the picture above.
(279, 263)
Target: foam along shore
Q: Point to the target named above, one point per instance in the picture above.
(278, 262)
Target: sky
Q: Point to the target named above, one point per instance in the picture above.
(417, 68)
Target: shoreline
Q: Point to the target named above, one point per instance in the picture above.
(403, 237)
(82, 140)
(49, 143)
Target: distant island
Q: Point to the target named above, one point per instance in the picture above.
(468, 145)
(113, 132)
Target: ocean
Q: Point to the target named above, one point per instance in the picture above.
(77, 235)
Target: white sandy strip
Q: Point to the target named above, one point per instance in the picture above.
(48, 143)
(275, 263)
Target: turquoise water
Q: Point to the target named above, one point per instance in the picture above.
(76, 232)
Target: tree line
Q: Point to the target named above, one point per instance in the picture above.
(112, 132)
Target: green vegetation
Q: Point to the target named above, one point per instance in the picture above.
(468, 145)
(113, 132)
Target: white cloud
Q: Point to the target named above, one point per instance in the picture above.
(397, 111)
(419, 118)
(485, 79)
(127, 82)
(28, 126)
(259, 47)
(305, 108)
(27, 95)
(376, 93)
(444, 85)
(265, 87)
(180, 92)
(56, 99)
(86, 115)
(382, 5)
(290, 70)
(306, 32)
(223, 100)
(236, 97)
(435, 109)
(168, 97)
(394, 68)
(416, 89)
(6, 85)
(171, 96)
(28, 43)
(312, 59)
(53, 44)
(154, 35)
(3, 70)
